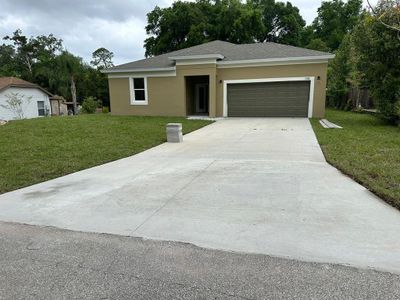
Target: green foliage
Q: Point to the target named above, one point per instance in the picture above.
(335, 19)
(378, 48)
(369, 58)
(282, 22)
(397, 109)
(102, 58)
(105, 110)
(8, 64)
(186, 24)
(338, 75)
(318, 44)
(89, 105)
(44, 61)
(29, 52)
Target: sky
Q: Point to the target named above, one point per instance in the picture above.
(86, 25)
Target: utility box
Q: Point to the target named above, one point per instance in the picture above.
(174, 133)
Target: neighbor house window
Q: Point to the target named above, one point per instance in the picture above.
(41, 110)
(138, 87)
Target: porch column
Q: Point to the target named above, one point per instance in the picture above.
(213, 95)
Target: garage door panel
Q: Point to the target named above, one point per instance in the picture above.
(272, 99)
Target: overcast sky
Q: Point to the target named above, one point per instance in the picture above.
(85, 25)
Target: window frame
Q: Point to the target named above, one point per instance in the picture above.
(132, 89)
(39, 109)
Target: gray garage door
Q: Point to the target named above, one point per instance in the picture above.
(268, 99)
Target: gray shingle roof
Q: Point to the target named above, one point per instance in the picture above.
(231, 52)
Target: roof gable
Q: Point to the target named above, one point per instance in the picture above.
(6, 82)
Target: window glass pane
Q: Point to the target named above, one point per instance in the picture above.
(40, 105)
(138, 83)
(140, 95)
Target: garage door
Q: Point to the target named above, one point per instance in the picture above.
(268, 99)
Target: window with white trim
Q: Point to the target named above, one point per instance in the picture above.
(139, 91)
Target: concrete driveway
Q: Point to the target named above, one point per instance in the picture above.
(249, 185)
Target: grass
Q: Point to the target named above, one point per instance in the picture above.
(367, 149)
(40, 149)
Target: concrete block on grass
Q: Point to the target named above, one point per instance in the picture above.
(174, 133)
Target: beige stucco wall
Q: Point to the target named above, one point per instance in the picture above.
(167, 95)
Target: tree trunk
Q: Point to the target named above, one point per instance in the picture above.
(73, 94)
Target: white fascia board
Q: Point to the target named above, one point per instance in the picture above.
(107, 71)
(275, 61)
(143, 74)
(197, 57)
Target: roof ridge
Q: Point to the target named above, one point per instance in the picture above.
(283, 45)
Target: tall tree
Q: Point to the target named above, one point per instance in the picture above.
(29, 52)
(102, 58)
(8, 66)
(378, 47)
(282, 22)
(187, 24)
(335, 19)
(69, 67)
(42, 60)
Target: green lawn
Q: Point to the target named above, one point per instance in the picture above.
(367, 149)
(36, 150)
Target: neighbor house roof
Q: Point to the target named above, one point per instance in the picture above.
(6, 82)
(224, 53)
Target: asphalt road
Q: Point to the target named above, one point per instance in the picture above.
(48, 263)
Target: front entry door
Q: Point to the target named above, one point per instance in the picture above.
(201, 98)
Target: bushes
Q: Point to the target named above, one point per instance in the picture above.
(378, 48)
(338, 75)
(89, 105)
(368, 58)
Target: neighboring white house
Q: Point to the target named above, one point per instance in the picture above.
(21, 99)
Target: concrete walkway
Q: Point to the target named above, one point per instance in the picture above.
(250, 185)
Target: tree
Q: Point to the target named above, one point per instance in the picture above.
(69, 68)
(387, 12)
(378, 48)
(317, 44)
(102, 58)
(29, 52)
(176, 27)
(369, 58)
(186, 24)
(335, 19)
(43, 60)
(338, 76)
(235, 22)
(7, 63)
(282, 22)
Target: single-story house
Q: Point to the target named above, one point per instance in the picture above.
(221, 79)
(20, 99)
